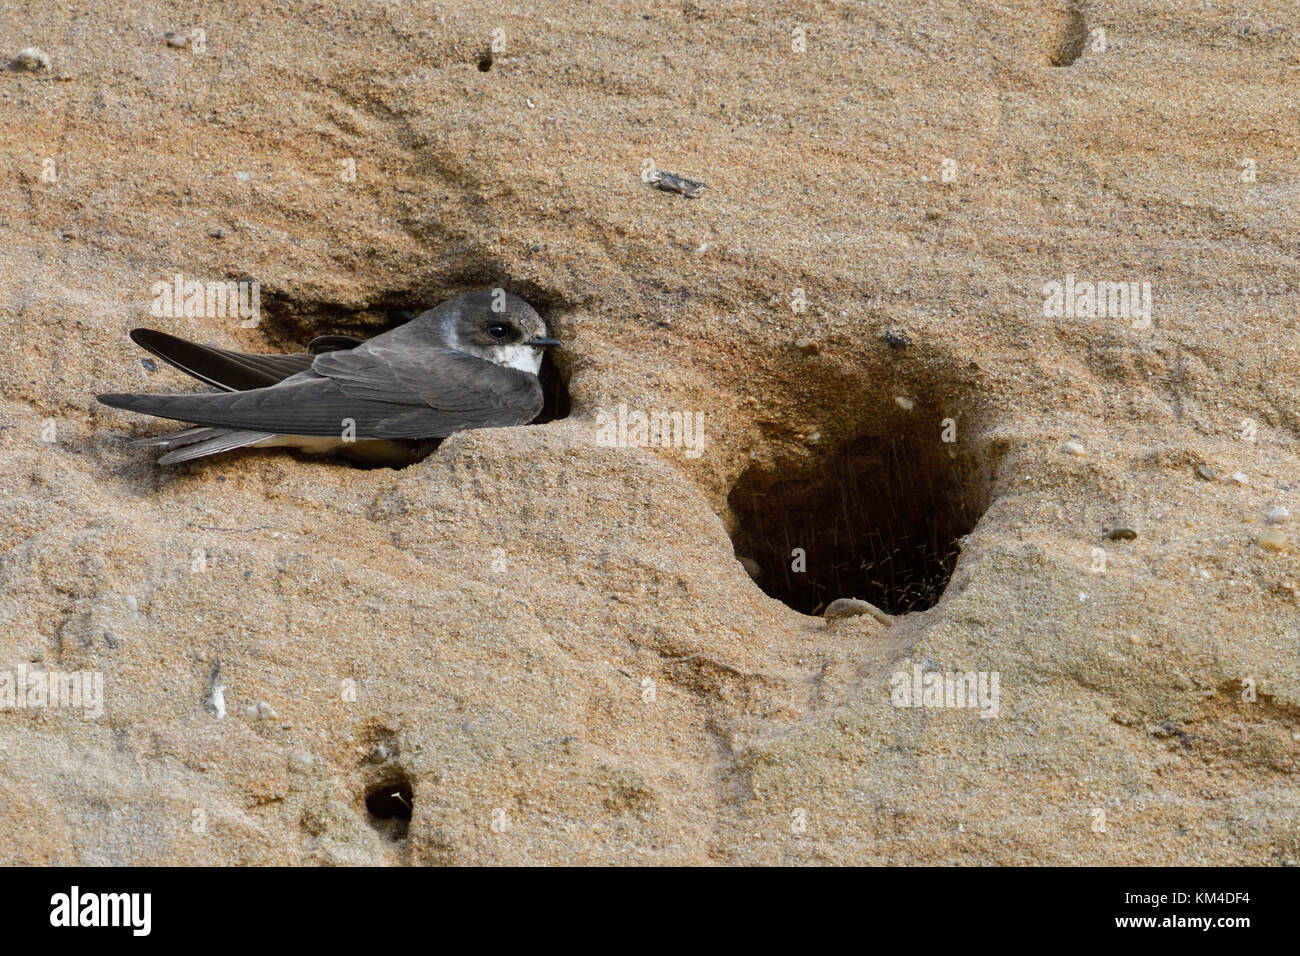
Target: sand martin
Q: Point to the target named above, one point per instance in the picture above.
(471, 362)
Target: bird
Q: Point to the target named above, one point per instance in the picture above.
(469, 362)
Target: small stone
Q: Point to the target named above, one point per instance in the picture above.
(906, 404)
(813, 438)
(132, 604)
(1278, 515)
(149, 364)
(379, 754)
(216, 233)
(852, 607)
(178, 40)
(301, 760)
(261, 711)
(1272, 540)
(32, 58)
(1240, 478)
(1205, 472)
(110, 639)
(896, 339)
(806, 346)
(1121, 534)
(672, 183)
(752, 568)
(1074, 448)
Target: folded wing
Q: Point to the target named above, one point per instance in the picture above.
(220, 368)
(384, 392)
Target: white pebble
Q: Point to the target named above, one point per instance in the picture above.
(132, 604)
(32, 58)
(1278, 515)
(1240, 478)
(1074, 448)
(906, 404)
(1273, 540)
(261, 711)
(301, 760)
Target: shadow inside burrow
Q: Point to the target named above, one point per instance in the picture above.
(879, 519)
(390, 806)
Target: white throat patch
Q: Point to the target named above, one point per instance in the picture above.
(526, 358)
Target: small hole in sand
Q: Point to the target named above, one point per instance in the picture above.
(390, 806)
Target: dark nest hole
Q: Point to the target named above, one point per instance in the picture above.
(390, 806)
(878, 520)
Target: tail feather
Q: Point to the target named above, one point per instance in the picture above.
(221, 368)
(186, 436)
(221, 440)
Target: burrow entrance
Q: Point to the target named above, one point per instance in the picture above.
(878, 518)
(391, 806)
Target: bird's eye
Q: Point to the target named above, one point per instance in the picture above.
(497, 331)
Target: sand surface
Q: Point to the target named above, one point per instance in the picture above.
(546, 645)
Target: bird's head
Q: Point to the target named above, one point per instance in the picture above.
(494, 325)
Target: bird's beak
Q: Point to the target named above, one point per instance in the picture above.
(542, 343)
